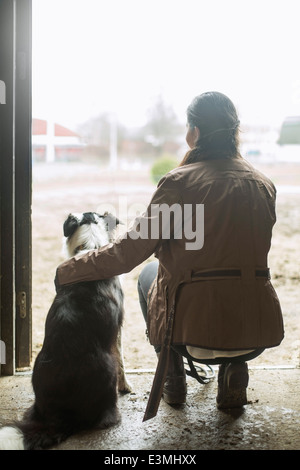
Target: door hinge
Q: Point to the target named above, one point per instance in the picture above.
(21, 303)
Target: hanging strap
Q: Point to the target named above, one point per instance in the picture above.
(162, 369)
(161, 372)
(193, 373)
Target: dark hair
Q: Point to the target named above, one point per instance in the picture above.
(215, 116)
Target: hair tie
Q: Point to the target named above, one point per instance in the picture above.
(221, 130)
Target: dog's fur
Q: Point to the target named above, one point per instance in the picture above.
(80, 366)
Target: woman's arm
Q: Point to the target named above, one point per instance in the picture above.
(130, 250)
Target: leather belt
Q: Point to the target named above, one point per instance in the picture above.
(230, 273)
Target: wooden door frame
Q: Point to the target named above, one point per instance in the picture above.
(15, 184)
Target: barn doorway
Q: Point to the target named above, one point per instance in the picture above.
(15, 193)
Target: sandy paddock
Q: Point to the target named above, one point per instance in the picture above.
(75, 187)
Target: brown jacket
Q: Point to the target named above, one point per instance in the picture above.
(220, 292)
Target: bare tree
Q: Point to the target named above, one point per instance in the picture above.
(163, 125)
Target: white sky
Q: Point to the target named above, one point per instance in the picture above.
(92, 56)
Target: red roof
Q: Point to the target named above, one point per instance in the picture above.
(39, 127)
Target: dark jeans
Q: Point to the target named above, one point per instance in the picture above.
(145, 280)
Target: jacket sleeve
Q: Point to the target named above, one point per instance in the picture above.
(131, 249)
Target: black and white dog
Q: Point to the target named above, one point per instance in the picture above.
(79, 369)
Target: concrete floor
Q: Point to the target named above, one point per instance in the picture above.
(270, 421)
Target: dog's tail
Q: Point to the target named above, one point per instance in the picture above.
(30, 434)
(11, 438)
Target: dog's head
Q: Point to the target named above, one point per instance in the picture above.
(88, 231)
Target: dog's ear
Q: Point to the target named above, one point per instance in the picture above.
(70, 225)
(111, 221)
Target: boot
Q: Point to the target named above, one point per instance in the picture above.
(175, 390)
(233, 380)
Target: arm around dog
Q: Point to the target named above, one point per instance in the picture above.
(128, 251)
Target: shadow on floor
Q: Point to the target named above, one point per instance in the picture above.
(270, 421)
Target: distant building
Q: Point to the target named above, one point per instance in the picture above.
(289, 140)
(53, 142)
(258, 142)
(290, 131)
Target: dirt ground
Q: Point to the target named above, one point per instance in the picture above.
(61, 188)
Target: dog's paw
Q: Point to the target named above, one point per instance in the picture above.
(124, 386)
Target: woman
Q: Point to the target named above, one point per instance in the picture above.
(211, 301)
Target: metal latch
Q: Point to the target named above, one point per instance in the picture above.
(21, 303)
